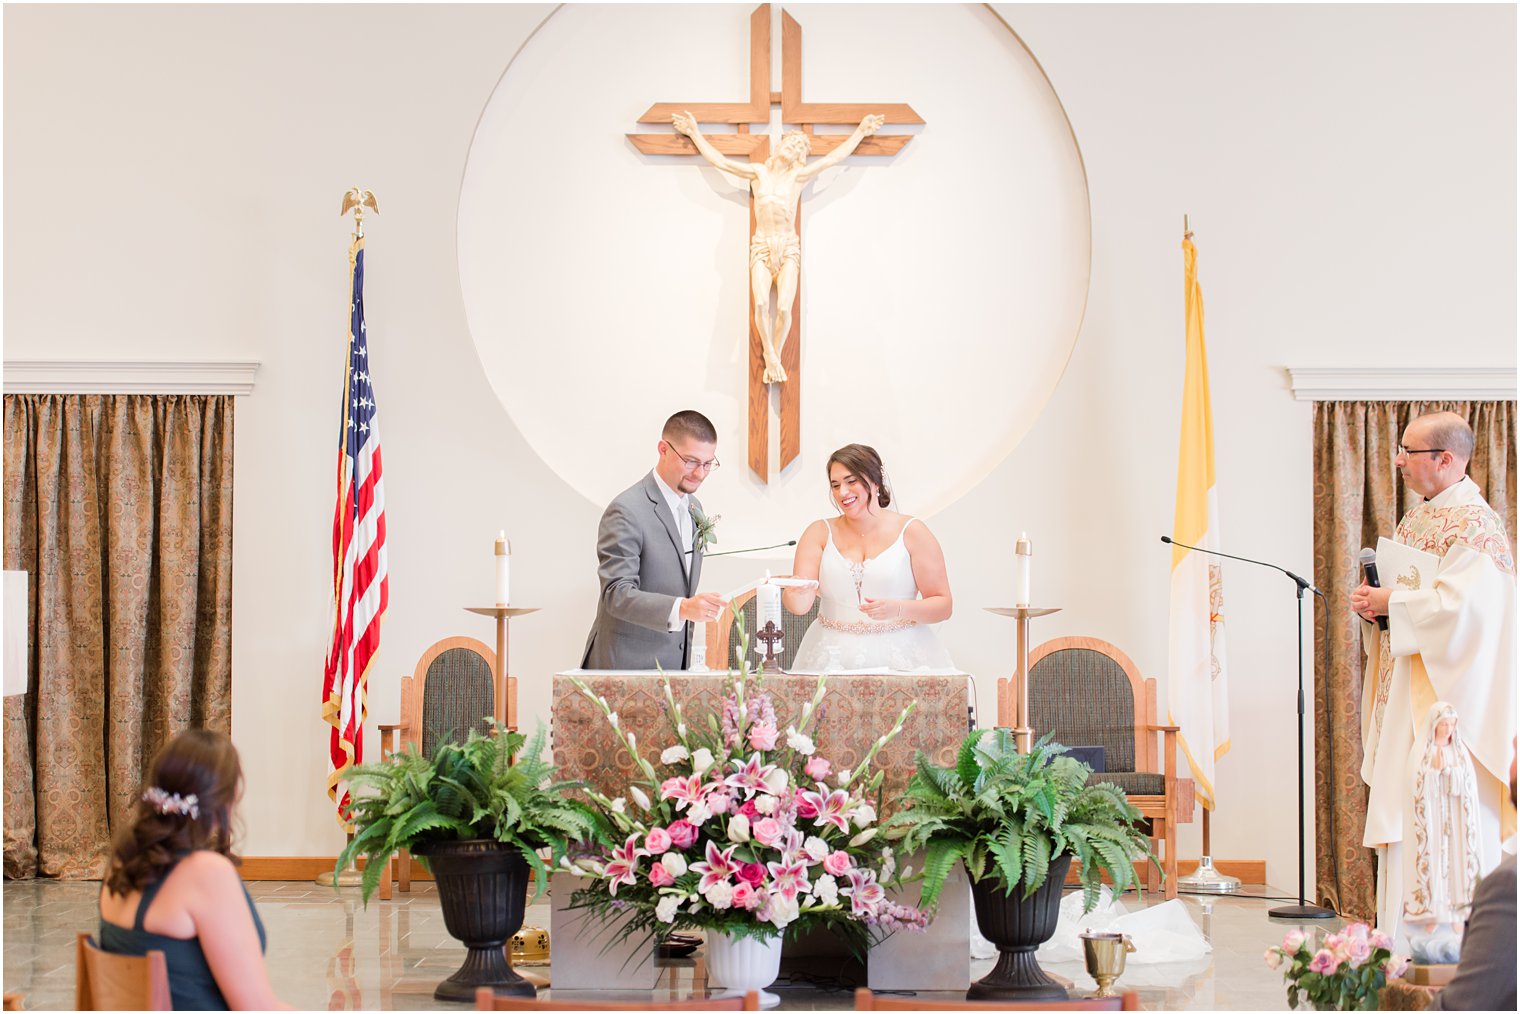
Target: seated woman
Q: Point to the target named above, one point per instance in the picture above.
(172, 885)
(881, 575)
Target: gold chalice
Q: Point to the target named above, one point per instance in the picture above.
(1105, 953)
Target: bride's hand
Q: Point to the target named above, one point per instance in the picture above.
(882, 609)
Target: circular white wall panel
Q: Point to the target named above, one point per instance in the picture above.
(942, 288)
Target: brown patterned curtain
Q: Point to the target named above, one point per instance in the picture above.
(1359, 496)
(119, 507)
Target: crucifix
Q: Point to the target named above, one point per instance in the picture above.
(775, 189)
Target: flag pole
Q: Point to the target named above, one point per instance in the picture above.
(355, 199)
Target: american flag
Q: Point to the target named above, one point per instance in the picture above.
(360, 577)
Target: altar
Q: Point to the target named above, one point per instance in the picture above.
(856, 709)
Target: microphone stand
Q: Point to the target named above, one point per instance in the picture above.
(1302, 910)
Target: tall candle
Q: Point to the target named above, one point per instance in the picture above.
(768, 598)
(1022, 552)
(503, 562)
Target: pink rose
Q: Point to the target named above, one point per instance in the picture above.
(1324, 962)
(749, 810)
(683, 834)
(762, 736)
(817, 768)
(1293, 940)
(806, 808)
(1273, 957)
(745, 895)
(719, 802)
(837, 864)
(767, 831)
(659, 876)
(1381, 940)
(752, 873)
(657, 841)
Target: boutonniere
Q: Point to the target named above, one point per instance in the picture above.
(706, 528)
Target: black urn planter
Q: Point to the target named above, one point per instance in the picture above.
(1016, 925)
(483, 888)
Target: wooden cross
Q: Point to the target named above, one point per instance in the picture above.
(756, 147)
(771, 635)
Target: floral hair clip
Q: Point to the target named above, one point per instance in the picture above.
(166, 803)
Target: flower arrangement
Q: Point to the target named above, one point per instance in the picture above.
(743, 828)
(1344, 971)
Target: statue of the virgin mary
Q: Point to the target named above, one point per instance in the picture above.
(1441, 820)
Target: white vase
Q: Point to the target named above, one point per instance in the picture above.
(741, 964)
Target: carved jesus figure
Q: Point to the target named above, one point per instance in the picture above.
(775, 253)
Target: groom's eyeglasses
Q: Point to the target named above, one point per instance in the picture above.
(693, 464)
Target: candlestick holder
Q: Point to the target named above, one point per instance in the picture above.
(1022, 731)
(772, 636)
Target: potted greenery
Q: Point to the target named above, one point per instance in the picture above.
(1016, 821)
(476, 813)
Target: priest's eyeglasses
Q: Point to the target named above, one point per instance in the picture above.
(1405, 452)
(695, 464)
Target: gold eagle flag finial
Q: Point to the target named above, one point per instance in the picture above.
(356, 200)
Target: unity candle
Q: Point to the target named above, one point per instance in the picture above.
(767, 603)
(503, 560)
(1022, 551)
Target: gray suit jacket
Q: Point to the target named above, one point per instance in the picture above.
(639, 562)
(1485, 978)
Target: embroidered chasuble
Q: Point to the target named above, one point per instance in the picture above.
(1452, 641)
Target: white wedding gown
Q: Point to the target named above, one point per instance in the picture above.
(843, 638)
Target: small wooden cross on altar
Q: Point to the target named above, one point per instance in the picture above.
(774, 361)
(771, 635)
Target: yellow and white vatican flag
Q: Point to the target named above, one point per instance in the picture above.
(1197, 688)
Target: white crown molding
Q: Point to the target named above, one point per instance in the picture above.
(1398, 383)
(105, 376)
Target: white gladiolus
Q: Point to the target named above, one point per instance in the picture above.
(738, 828)
(612, 719)
(681, 730)
(674, 863)
(816, 848)
(775, 781)
(619, 805)
(701, 761)
(844, 778)
(765, 804)
(639, 796)
(863, 837)
(665, 910)
(797, 741)
(633, 743)
(674, 753)
(720, 895)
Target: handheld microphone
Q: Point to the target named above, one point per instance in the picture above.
(752, 549)
(1367, 560)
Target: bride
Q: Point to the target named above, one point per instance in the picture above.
(881, 575)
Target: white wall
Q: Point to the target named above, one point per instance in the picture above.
(172, 177)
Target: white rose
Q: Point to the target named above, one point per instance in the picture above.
(666, 909)
(619, 804)
(639, 797)
(673, 754)
(863, 837)
(797, 741)
(775, 781)
(816, 848)
(701, 761)
(738, 828)
(697, 814)
(765, 804)
(782, 911)
(720, 895)
(865, 814)
(674, 863)
(826, 890)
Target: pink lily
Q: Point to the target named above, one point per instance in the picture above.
(625, 862)
(832, 808)
(683, 790)
(718, 867)
(749, 775)
(788, 878)
(865, 893)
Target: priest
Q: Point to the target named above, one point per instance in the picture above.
(1451, 641)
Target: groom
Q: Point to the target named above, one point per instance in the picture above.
(649, 558)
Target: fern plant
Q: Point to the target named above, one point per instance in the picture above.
(1008, 815)
(465, 791)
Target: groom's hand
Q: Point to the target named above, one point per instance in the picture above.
(702, 608)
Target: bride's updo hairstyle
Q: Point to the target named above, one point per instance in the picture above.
(186, 805)
(865, 463)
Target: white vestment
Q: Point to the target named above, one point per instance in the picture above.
(1452, 641)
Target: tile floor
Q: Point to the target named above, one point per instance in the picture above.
(326, 952)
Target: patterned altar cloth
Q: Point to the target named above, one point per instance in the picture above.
(856, 709)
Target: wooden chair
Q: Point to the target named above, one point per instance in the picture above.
(450, 691)
(487, 1000)
(104, 981)
(15, 1001)
(1092, 694)
(866, 1000)
(723, 634)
